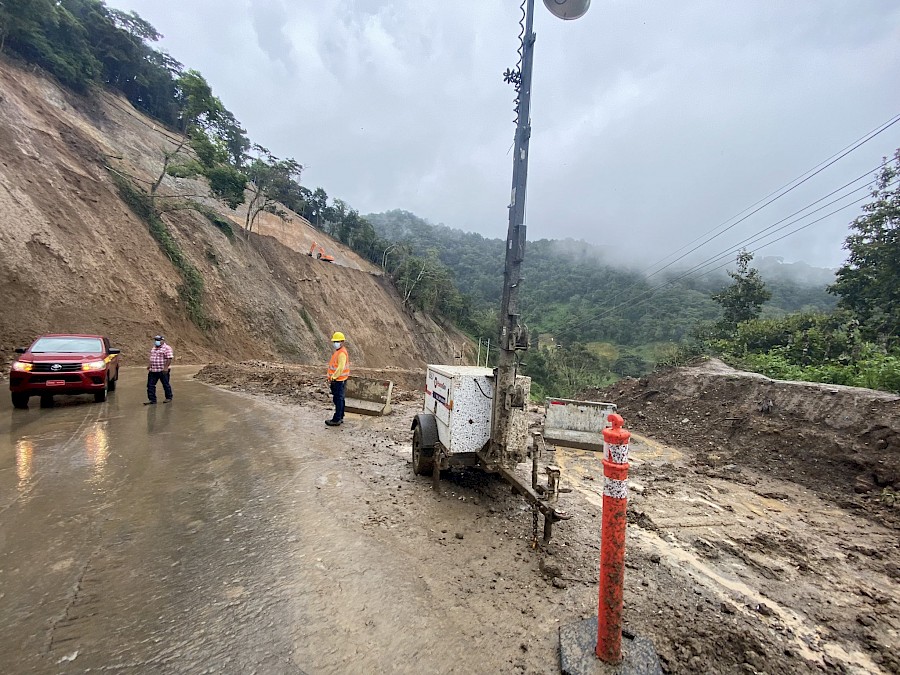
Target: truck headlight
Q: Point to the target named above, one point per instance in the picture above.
(22, 366)
(94, 365)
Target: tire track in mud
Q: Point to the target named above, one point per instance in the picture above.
(657, 534)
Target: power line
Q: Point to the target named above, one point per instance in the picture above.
(780, 192)
(802, 227)
(759, 234)
(772, 197)
(646, 295)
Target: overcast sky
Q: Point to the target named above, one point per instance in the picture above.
(653, 121)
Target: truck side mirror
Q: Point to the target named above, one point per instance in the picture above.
(20, 350)
(113, 350)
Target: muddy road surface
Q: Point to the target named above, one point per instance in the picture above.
(232, 531)
(212, 534)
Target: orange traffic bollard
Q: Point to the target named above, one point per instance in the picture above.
(612, 543)
(579, 654)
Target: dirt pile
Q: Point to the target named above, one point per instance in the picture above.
(74, 257)
(298, 383)
(839, 441)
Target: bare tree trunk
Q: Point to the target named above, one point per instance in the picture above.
(384, 258)
(412, 287)
(253, 209)
(167, 158)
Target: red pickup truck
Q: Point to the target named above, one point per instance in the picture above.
(64, 364)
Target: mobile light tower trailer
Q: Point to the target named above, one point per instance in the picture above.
(477, 416)
(457, 426)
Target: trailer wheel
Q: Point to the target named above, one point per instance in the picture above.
(422, 458)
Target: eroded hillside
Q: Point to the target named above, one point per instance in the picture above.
(75, 257)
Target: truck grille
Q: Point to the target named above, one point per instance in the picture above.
(63, 368)
(46, 377)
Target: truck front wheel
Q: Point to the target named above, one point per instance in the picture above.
(100, 396)
(422, 458)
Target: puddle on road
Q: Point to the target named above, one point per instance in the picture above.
(24, 462)
(643, 449)
(94, 453)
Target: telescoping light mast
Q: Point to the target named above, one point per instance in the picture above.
(513, 334)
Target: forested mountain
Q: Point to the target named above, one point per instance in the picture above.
(573, 292)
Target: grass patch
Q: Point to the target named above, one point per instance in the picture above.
(307, 320)
(191, 289)
(219, 222)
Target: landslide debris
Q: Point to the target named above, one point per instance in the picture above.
(841, 442)
(75, 257)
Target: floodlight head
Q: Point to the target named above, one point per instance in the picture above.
(568, 9)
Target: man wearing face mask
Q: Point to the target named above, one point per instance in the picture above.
(338, 372)
(161, 356)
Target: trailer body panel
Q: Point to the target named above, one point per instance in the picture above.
(460, 398)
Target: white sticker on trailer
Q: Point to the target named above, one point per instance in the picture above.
(438, 388)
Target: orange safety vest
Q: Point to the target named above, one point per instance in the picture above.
(334, 366)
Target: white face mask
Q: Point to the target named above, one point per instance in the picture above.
(337, 345)
(157, 343)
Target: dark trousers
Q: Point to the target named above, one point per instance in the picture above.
(152, 379)
(337, 395)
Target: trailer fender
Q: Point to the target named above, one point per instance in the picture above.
(427, 424)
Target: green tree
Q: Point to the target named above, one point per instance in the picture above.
(869, 282)
(207, 128)
(48, 34)
(318, 204)
(268, 176)
(742, 300)
(197, 105)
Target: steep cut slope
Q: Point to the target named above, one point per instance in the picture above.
(74, 257)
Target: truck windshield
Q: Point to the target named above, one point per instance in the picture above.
(65, 345)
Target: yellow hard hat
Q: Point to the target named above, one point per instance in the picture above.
(338, 337)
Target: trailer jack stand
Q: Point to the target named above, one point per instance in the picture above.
(436, 470)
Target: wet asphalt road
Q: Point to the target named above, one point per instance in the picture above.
(213, 534)
(219, 533)
(130, 534)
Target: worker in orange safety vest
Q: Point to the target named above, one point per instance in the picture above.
(338, 372)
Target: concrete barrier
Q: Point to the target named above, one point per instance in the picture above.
(576, 424)
(368, 397)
